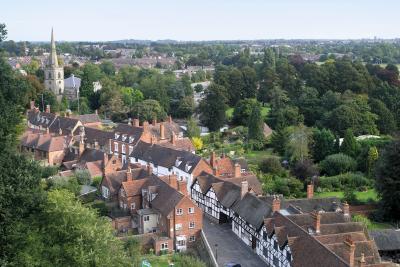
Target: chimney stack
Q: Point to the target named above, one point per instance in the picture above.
(136, 122)
(129, 174)
(182, 187)
(96, 112)
(162, 131)
(244, 189)
(237, 170)
(351, 248)
(105, 161)
(47, 108)
(310, 190)
(276, 203)
(316, 215)
(173, 138)
(346, 209)
(213, 160)
(32, 104)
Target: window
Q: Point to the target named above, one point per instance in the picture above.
(181, 243)
(164, 246)
(209, 210)
(116, 147)
(133, 206)
(275, 245)
(289, 256)
(178, 226)
(105, 191)
(192, 238)
(146, 218)
(276, 261)
(191, 225)
(123, 149)
(179, 211)
(191, 210)
(265, 252)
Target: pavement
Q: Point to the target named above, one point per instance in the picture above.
(230, 248)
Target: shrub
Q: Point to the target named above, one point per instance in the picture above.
(362, 219)
(49, 171)
(96, 181)
(83, 177)
(304, 169)
(343, 181)
(271, 165)
(69, 183)
(337, 164)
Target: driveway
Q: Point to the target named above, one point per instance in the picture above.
(230, 248)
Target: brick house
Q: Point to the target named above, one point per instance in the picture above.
(45, 147)
(162, 206)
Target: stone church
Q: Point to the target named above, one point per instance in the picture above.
(54, 72)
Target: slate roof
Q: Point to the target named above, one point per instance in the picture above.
(166, 157)
(205, 181)
(227, 193)
(304, 205)
(102, 137)
(167, 197)
(90, 155)
(252, 209)
(72, 82)
(114, 180)
(254, 183)
(387, 239)
(129, 130)
(38, 118)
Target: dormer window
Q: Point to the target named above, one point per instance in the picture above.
(131, 139)
(178, 162)
(124, 136)
(116, 135)
(187, 167)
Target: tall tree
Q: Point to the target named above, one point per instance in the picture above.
(323, 144)
(349, 145)
(213, 107)
(388, 180)
(256, 123)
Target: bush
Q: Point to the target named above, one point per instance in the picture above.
(305, 169)
(343, 181)
(271, 165)
(69, 183)
(337, 163)
(288, 187)
(362, 219)
(101, 207)
(48, 171)
(83, 177)
(96, 181)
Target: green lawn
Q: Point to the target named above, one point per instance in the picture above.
(264, 112)
(158, 261)
(361, 196)
(257, 156)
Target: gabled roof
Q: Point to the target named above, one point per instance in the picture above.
(252, 210)
(38, 118)
(227, 193)
(95, 168)
(129, 130)
(305, 205)
(166, 157)
(67, 125)
(205, 181)
(254, 183)
(102, 137)
(114, 180)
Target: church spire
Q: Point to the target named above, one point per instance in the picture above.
(53, 53)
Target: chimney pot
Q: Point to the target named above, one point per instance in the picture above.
(129, 174)
(351, 250)
(173, 138)
(213, 160)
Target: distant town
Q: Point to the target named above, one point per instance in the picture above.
(218, 153)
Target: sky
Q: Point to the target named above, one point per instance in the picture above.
(105, 20)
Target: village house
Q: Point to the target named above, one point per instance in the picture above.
(168, 161)
(44, 147)
(166, 133)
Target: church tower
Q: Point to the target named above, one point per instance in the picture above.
(53, 73)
